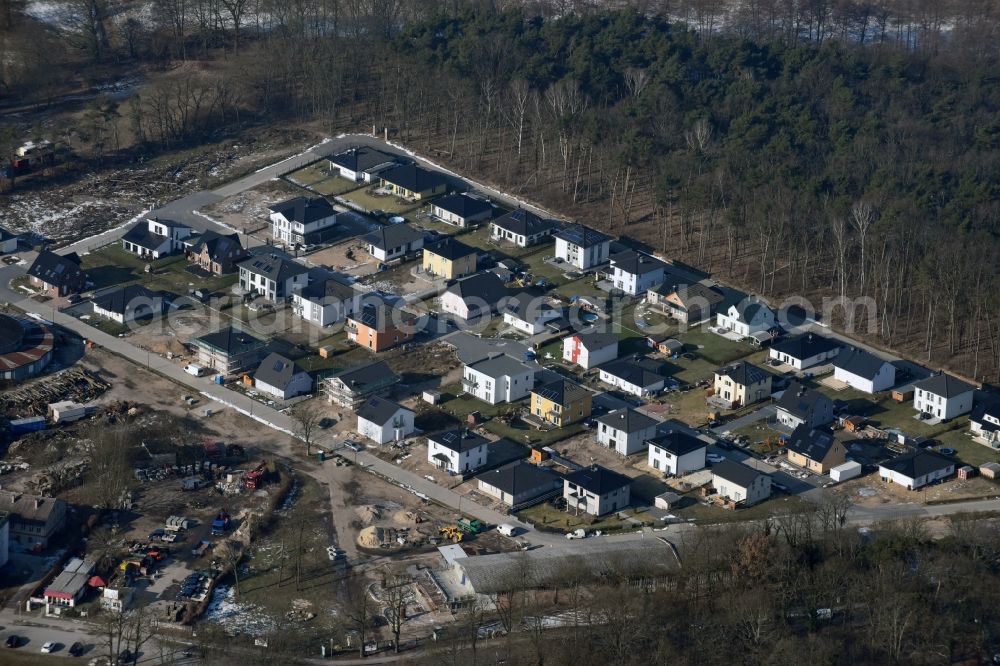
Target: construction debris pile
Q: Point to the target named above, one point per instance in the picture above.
(33, 399)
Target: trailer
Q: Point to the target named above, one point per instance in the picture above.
(848, 470)
(32, 155)
(221, 523)
(30, 424)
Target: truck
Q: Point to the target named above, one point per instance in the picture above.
(256, 477)
(473, 526)
(32, 155)
(200, 549)
(221, 523)
(196, 370)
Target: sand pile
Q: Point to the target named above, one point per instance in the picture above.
(369, 513)
(405, 517)
(374, 537)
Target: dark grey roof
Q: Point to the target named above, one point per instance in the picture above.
(57, 269)
(392, 236)
(413, 178)
(5, 234)
(526, 306)
(523, 223)
(639, 373)
(273, 267)
(519, 477)
(917, 464)
(378, 313)
(459, 440)
(360, 376)
(743, 373)
(277, 371)
(141, 235)
(219, 246)
(560, 391)
(627, 420)
(988, 405)
(304, 209)
(813, 443)
(329, 288)
(582, 236)
(748, 308)
(378, 410)
(363, 159)
(230, 341)
(677, 442)
(450, 249)
(486, 286)
(598, 480)
(737, 473)
(799, 400)
(805, 345)
(121, 300)
(687, 293)
(636, 263)
(944, 385)
(592, 340)
(499, 366)
(463, 205)
(858, 362)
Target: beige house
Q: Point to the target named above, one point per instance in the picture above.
(740, 384)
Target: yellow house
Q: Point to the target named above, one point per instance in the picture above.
(412, 182)
(741, 383)
(561, 402)
(450, 259)
(815, 449)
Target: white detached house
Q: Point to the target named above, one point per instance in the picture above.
(498, 379)
(636, 273)
(457, 451)
(625, 430)
(943, 396)
(863, 371)
(582, 246)
(589, 350)
(383, 421)
(746, 318)
(676, 453)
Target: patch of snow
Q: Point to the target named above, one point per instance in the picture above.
(236, 617)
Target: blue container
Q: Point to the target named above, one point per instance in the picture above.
(220, 380)
(30, 424)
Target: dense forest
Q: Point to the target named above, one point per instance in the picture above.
(815, 149)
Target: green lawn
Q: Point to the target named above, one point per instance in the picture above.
(776, 505)
(334, 186)
(968, 451)
(531, 436)
(891, 414)
(585, 287)
(694, 370)
(714, 348)
(547, 515)
(539, 268)
(390, 204)
(311, 173)
(111, 265)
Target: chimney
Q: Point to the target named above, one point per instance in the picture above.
(373, 130)
(38, 502)
(386, 134)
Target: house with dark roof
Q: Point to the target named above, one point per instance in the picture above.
(281, 377)
(799, 405)
(917, 469)
(302, 221)
(815, 449)
(363, 164)
(582, 246)
(943, 396)
(529, 312)
(635, 273)
(863, 370)
(596, 490)
(229, 350)
(739, 384)
(561, 402)
(449, 258)
(154, 238)
(216, 253)
(33, 520)
(984, 421)
(410, 181)
(325, 302)
(353, 386)
(57, 274)
(635, 376)
(676, 453)
(688, 303)
(474, 296)
(461, 210)
(129, 303)
(497, 379)
(457, 451)
(272, 276)
(747, 318)
(378, 324)
(520, 484)
(521, 228)
(393, 241)
(590, 348)
(384, 421)
(804, 351)
(625, 430)
(740, 484)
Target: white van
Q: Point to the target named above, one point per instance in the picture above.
(195, 369)
(507, 529)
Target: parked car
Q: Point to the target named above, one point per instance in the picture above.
(125, 656)
(49, 646)
(13, 641)
(195, 369)
(76, 649)
(157, 534)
